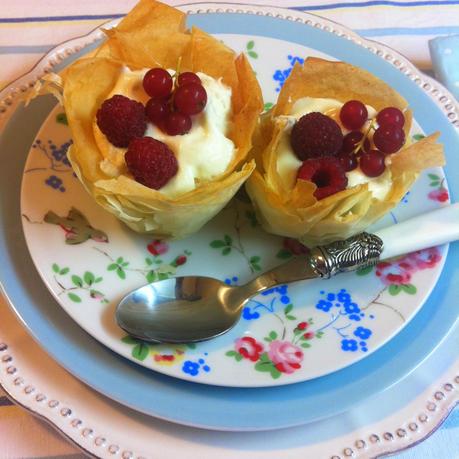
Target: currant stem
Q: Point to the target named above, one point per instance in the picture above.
(177, 73)
(365, 137)
(175, 83)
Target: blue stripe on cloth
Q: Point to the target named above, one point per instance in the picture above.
(331, 6)
(60, 18)
(385, 31)
(5, 401)
(26, 49)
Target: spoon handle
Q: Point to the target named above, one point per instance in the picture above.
(364, 249)
(427, 230)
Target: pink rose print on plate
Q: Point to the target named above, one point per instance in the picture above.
(285, 356)
(180, 260)
(157, 247)
(287, 342)
(439, 195)
(397, 274)
(249, 348)
(424, 259)
(394, 273)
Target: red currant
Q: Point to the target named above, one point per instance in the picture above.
(157, 83)
(352, 139)
(177, 123)
(348, 161)
(389, 138)
(372, 163)
(353, 114)
(190, 99)
(390, 115)
(157, 110)
(188, 77)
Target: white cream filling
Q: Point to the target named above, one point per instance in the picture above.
(288, 164)
(202, 154)
(379, 186)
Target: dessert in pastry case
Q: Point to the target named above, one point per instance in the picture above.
(333, 155)
(162, 127)
(162, 120)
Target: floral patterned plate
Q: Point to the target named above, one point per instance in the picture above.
(89, 261)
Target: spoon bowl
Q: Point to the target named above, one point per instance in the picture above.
(181, 309)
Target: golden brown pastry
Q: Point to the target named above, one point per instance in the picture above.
(287, 205)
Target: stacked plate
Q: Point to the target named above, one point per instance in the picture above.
(360, 333)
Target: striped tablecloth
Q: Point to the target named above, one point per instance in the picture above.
(29, 28)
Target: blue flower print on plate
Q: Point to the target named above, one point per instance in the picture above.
(349, 345)
(343, 312)
(193, 368)
(363, 333)
(280, 75)
(257, 305)
(55, 182)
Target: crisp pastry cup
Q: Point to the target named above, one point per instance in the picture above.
(295, 212)
(154, 35)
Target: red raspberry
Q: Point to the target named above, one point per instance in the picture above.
(315, 135)
(121, 119)
(326, 173)
(151, 162)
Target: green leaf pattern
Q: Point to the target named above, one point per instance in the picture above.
(79, 284)
(250, 49)
(233, 244)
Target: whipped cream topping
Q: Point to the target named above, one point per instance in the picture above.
(288, 163)
(203, 154)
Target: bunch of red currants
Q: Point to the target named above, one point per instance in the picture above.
(172, 102)
(356, 150)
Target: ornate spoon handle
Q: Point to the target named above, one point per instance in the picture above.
(364, 249)
(427, 230)
(356, 252)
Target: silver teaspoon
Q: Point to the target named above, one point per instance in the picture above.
(196, 308)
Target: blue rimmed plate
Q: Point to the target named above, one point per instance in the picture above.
(325, 395)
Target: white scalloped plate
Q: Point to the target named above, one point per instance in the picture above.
(8, 102)
(288, 330)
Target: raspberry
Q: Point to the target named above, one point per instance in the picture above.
(326, 173)
(151, 162)
(121, 119)
(315, 135)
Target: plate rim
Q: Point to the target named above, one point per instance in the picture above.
(291, 14)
